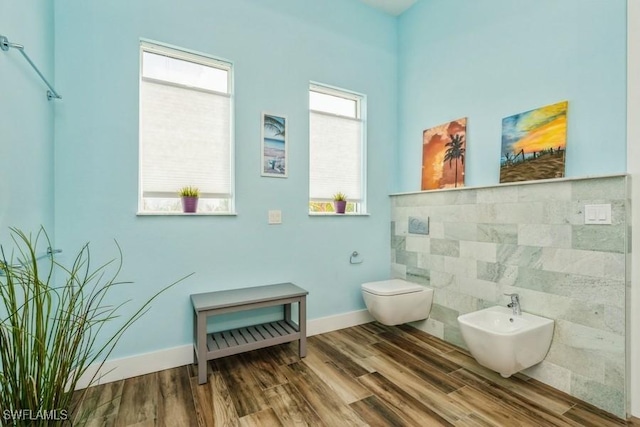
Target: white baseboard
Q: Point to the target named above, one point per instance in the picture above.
(141, 364)
(339, 321)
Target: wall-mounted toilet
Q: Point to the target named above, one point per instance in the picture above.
(396, 301)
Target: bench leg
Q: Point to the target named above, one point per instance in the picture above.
(287, 313)
(302, 323)
(195, 338)
(201, 332)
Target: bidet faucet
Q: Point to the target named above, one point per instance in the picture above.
(515, 304)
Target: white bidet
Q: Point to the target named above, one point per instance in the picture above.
(505, 342)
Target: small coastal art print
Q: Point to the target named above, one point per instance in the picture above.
(443, 151)
(274, 145)
(534, 144)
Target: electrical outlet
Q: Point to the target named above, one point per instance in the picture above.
(275, 217)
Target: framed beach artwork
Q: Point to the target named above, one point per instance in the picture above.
(534, 144)
(443, 151)
(274, 146)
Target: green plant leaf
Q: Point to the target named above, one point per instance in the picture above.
(52, 332)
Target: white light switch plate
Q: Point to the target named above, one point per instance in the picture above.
(275, 217)
(597, 214)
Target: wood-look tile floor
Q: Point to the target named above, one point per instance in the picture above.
(367, 375)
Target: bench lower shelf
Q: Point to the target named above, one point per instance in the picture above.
(235, 341)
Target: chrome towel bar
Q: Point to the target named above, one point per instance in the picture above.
(48, 254)
(5, 45)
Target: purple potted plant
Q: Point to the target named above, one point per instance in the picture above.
(340, 202)
(189, 196)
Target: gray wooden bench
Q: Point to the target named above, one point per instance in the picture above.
(220, 344)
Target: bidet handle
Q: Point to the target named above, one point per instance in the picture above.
(515, 303)
(515, 299)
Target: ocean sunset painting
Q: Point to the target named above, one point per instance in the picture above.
(274, 145)
(534, 144)
(443, 151)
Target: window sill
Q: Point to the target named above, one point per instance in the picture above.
(186, 214)
(335, 214)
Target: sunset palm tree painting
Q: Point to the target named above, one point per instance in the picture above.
(443, 153)
(534, 144)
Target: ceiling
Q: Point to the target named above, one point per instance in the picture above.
(392, 7)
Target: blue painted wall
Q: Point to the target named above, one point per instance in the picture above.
(277, 47)
(26, 119)
(489, 59)
(441, 60)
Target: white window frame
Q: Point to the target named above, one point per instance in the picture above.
(360, 207)
(209, 61)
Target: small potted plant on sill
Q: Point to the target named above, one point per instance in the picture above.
(339, 202)
(189, 196)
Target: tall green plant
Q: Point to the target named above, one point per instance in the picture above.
(50, 329)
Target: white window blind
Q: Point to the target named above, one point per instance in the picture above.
(185, 128)
(185, 140)
(335, 156)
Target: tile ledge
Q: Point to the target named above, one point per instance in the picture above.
(511, 184)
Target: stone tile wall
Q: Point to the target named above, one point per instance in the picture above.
(531, 239)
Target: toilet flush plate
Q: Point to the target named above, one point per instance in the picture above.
(597, 214)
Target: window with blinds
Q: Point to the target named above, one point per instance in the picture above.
(336, 148)
(185, 129)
